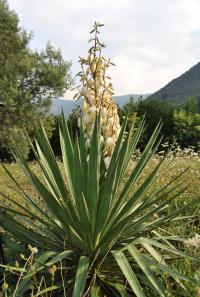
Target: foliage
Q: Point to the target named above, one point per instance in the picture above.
(96, 229)
(180, 122)
(191, 106)
(28, 79)
(154, 111)
(187, 128)
(177, 161)
(72, 126)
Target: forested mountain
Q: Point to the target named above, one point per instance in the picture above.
(181, 88)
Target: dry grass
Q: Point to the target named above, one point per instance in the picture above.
(171, 167)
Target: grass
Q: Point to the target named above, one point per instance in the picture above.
(171, 167)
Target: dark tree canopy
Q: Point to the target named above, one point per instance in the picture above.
(28, 79)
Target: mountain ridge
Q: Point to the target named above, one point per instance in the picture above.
(181, 88)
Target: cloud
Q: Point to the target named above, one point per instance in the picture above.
(151, 41)
(140, 69)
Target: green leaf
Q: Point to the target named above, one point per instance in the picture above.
(25, 283)
(81, 276)
(49, 289)
(128, 273)
(46, 265)
(93, 175)
(95, 291)
(147, 271)
(167, 248)
(13, 245)
(67, 152)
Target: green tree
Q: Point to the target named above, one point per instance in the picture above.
(187, 128)
(28, 80)
(191, 106)
(129, 111)
(154, 110)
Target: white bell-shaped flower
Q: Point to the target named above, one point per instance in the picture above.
(86, 118)
(107, 161)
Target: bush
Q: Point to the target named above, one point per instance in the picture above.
(187, 129)
(18, 135)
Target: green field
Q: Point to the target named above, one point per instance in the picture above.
(171, 167)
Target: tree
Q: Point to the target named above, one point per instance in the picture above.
(187, 129)
(28, 79)
(154, 111)
(191, 106)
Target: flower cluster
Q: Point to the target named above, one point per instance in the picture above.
(194, 241)
(97, 92)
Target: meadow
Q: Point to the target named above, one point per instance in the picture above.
(189, 227)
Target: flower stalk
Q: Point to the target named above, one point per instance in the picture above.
(97, 91)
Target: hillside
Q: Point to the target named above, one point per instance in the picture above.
(68, 105)
(181, 88)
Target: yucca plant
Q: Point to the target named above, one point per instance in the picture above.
(98, 226)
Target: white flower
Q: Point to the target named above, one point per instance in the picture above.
(109, 131)
(194, 241)
(101, 140)
(103, 123)
(110, 112)
(86, 119)
(110, 121)
(107, 161)
(87, 143)
(93, 109)
(110, 141)
(104, 112)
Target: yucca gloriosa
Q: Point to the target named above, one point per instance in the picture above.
(98, 224)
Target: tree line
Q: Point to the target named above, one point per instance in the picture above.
(181, 122)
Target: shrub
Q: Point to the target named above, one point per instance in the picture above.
(187, 129)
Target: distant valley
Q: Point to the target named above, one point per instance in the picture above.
(59, 104)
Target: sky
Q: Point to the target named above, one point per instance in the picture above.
(150, 41)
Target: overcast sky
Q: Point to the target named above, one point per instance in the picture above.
(150, 41)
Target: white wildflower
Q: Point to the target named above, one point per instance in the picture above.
(194, 241)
